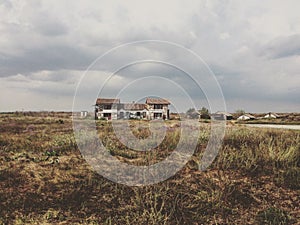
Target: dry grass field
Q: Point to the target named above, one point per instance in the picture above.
(255, 178)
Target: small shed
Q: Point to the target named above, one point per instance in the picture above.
(246, 117)
(83, 114)
(221, 116)
(271, 115)
(174, 116)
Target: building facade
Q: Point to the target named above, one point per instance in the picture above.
(158, 108)
(132, 111)
(106, 108)
(221, 116)
(111, 109)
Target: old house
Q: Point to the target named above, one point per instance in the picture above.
(106, 108)
(132, 111)
(111, 109)
(158, 108)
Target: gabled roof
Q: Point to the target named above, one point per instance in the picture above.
(157, 101)
(272, 113)
(223, 113)
(247, 115)
(107, 101)
(133, 106)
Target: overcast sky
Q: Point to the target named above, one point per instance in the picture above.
(252, 47)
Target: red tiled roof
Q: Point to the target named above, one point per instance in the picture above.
(107, 101)
(157, 101)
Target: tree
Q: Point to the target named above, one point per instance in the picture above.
(192, 113)
(204, 113)
(239, 112)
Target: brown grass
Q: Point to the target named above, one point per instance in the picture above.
(44, 179)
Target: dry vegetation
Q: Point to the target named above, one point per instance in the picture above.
(284, 118)
(44, 180)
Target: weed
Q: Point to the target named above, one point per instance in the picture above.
(273, 216)
(254, 168)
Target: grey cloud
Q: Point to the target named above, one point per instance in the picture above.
(260, 84)
(65, 76)
(283, 47)
(50, 26)
(48, 41)
(47, 58)
(6, 3)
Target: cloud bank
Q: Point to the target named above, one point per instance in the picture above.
(253, 48)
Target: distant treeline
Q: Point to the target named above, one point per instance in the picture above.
(61, 114)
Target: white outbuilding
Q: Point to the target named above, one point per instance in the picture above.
(271, 115)
(83, 114)
(246, 117)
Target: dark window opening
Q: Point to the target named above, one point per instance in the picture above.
(157, 115)
(107, 115)
(107, 107)
(158, 106)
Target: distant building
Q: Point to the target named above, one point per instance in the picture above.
(174, 116)
(246, 117)
(158, 108)
(271, 115)
(83, 114)
(106, 108)
(221, 116)
(111, 109)
(132, 111)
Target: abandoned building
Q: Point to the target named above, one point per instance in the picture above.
(158, 108)
(112, 109)
(132, 111)
(106, 108)
(221, 116)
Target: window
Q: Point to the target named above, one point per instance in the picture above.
(158, 106)
(107, 106)
(157, 115)
(107, 115)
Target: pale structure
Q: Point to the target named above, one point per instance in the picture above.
(271, 115)
(246, 117)
(112, 109)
